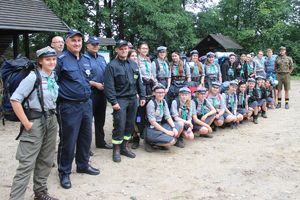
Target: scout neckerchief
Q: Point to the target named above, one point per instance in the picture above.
(258, 91)
(147, 67)
(242, 72)
(165, 67)
(230, 71)
(196, 70)
(213, 69)
(51, 85)
(176, 69)
(242, 98)
(231, 101)
(248, 68)
(202, 108)
(214, 102)
(184, 112)
(161, 108)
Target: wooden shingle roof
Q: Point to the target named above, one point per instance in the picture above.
(29, 16)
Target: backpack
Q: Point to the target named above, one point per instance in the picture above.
(13, 72)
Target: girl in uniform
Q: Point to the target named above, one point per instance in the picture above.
(261, 95)
(162, 131)
(204, 114)
(252, 98)
(218, 102)
(211, 70)
(250, 66)
(196, 71)
(242, 97)
(132, 54)
(269, 94)
(180, 74)
(146, 72)
(161, 68)
(182, 110)
(38, 137)
(231, 115)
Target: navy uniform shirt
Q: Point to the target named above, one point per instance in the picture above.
(98, 64)
(122, 80)
(73, 77)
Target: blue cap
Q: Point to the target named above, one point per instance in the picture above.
(194, 52)
(184, 90)
(93, 40)
(120, 43)
(201, 90)
(209, 54)
(215, 84)
(45, 52)
(72, 32)
(161, 49)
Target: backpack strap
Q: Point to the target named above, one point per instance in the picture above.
(157, 66)
(40, 90)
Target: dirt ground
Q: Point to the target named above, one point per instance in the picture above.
(251, 162)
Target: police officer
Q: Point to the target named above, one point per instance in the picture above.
(99, 100)
(122, 84)
(75, 111)
(283, 68)
(161, 68)
(38, 138)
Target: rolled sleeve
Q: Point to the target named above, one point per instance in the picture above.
(151, 111)
(174, 109)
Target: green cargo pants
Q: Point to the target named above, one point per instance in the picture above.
(35, 153)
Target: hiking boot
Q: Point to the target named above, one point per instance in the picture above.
(148, 147)
(116, 153)
(135, 142)
(43, 196)
(278, 106)
(263, 114)
(125, 151)
(179, 143)
(255, 119)
(287, 106)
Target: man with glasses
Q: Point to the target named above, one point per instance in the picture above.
(58, 44)
(99, 100)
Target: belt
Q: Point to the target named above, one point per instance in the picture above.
(50, 112)
(73, 101)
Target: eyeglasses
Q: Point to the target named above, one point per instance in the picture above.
(62, 42)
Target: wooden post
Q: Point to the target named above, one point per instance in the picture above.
(16, 45)
(26, 45)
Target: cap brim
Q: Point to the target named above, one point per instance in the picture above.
(72, 35)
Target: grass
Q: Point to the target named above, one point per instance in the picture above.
(296, 77)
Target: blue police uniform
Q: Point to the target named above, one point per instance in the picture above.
(98, 65)
(74, 111)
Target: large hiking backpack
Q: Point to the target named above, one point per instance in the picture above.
(13, 72)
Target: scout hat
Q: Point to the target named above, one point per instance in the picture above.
(158, 86)
(184, 90)
(259, 78)
(201, 90)
(282, 48)
(251, 80)
(215, 84)
(194, 52)
(45, 52)
(233, 83)
(209, 54)
(161, 49)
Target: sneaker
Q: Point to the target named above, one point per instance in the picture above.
(43, 196)
(287, 106)
(278, 106)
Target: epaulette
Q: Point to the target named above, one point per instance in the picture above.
(86, 56)
(62, 56)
